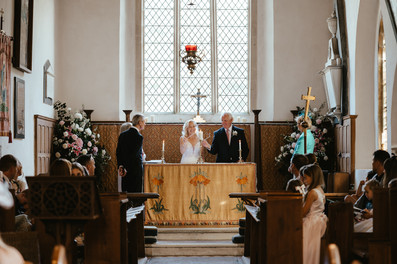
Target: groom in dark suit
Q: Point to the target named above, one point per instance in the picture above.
(226, 141)
(129, 156)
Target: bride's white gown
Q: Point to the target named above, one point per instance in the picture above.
(192, 153)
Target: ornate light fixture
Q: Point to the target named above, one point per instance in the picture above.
(190, 57)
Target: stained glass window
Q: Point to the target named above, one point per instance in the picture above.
(217, 27)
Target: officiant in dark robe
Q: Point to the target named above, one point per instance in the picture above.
(130, 156)
(226, 142)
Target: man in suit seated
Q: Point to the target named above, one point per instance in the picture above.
(226, 141)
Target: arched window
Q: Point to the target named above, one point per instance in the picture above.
(382, 91)
(218, 27)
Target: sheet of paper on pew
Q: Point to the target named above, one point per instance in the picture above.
(153, 162)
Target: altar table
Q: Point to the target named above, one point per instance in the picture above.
(197, 193)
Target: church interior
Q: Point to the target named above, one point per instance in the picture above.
(74, 72)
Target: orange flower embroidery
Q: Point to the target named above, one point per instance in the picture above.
(242, 181)
(157, 182)
(199, 179)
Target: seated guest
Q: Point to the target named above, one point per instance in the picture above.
(77, 170)
(226, 141)
(364, 218)
(8, 169)
(189, 143)
(379, 157)
(295, 186)
(390, 166)
(61, 167)
(354, 197)
(311, 158)
(300, 144)
(19, 183)
(314, 221)
(297, 162)
(88, 162)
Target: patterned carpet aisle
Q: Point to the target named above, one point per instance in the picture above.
(195, 260)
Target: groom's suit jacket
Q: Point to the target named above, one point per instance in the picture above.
(129, 154)
(226, 152)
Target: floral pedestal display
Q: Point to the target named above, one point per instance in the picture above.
(73, 137)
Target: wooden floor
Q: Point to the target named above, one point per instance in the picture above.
(195, 260)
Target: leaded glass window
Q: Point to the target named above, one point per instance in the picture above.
(220, 29)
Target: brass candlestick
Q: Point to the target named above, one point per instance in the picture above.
(200, 160)
(240, 158)
(162, 157)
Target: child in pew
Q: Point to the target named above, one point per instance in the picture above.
(354, 197)
(363, 219)
(314, 219)
(296, 186)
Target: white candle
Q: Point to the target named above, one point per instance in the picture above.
(238, 119)
(244, 120)
(201, 135)
(163, 145)
(152, 118)
(239, 145)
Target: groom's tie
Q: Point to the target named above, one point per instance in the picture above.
(228, 135)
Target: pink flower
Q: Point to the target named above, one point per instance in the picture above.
(61, 122)
(298, 135)
(95, 150)
(74, 136)
(318, 121)
(293, 145)
(316, 140)
(79, 142)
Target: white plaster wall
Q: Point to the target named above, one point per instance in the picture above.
(87, 51)
(43, 49)
(300, 50)
(264, 93)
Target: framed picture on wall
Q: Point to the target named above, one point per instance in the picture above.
(19, 108)
(23, 35)
(392, 8)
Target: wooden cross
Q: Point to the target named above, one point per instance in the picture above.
(308, 98)
(198, 95)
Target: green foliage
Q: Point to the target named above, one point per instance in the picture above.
(200, 207)
(158, 207)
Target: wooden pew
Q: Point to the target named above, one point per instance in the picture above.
(63, 205)
(118, 235)
(273, 227)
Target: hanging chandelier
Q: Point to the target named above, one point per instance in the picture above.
(190, 57)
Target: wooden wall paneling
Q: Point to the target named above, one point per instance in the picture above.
(345, 136)
(44, 130)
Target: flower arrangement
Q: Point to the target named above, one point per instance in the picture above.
(322, 130)
(73, 136)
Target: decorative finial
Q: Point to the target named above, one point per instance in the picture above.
(191, 3)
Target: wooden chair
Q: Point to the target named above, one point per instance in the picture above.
(59, 255)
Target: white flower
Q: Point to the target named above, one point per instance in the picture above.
(55, 138)
(84, 151)
(234, 133)
(72, 159)
(293, 135)
(325, 158)
(89, 144)
(60, 140)
(318, 121)
(282, 148)
(285, 154)
(78, 116)
(313, 128)
(65, 146)
(93, 136)
(57, 155)
(88, 131)
(325, 131)
(293, 145)
(103, 152)
(76, 126)
(69, 109)
(291, 151)
(315, 109)
(98, 135)
(80, 129)
(297, 136)
(65, 134)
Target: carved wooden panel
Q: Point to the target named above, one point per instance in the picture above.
(44, 130)
(345, 145)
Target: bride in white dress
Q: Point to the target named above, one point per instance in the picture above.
(314, 219)
(189, 142)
